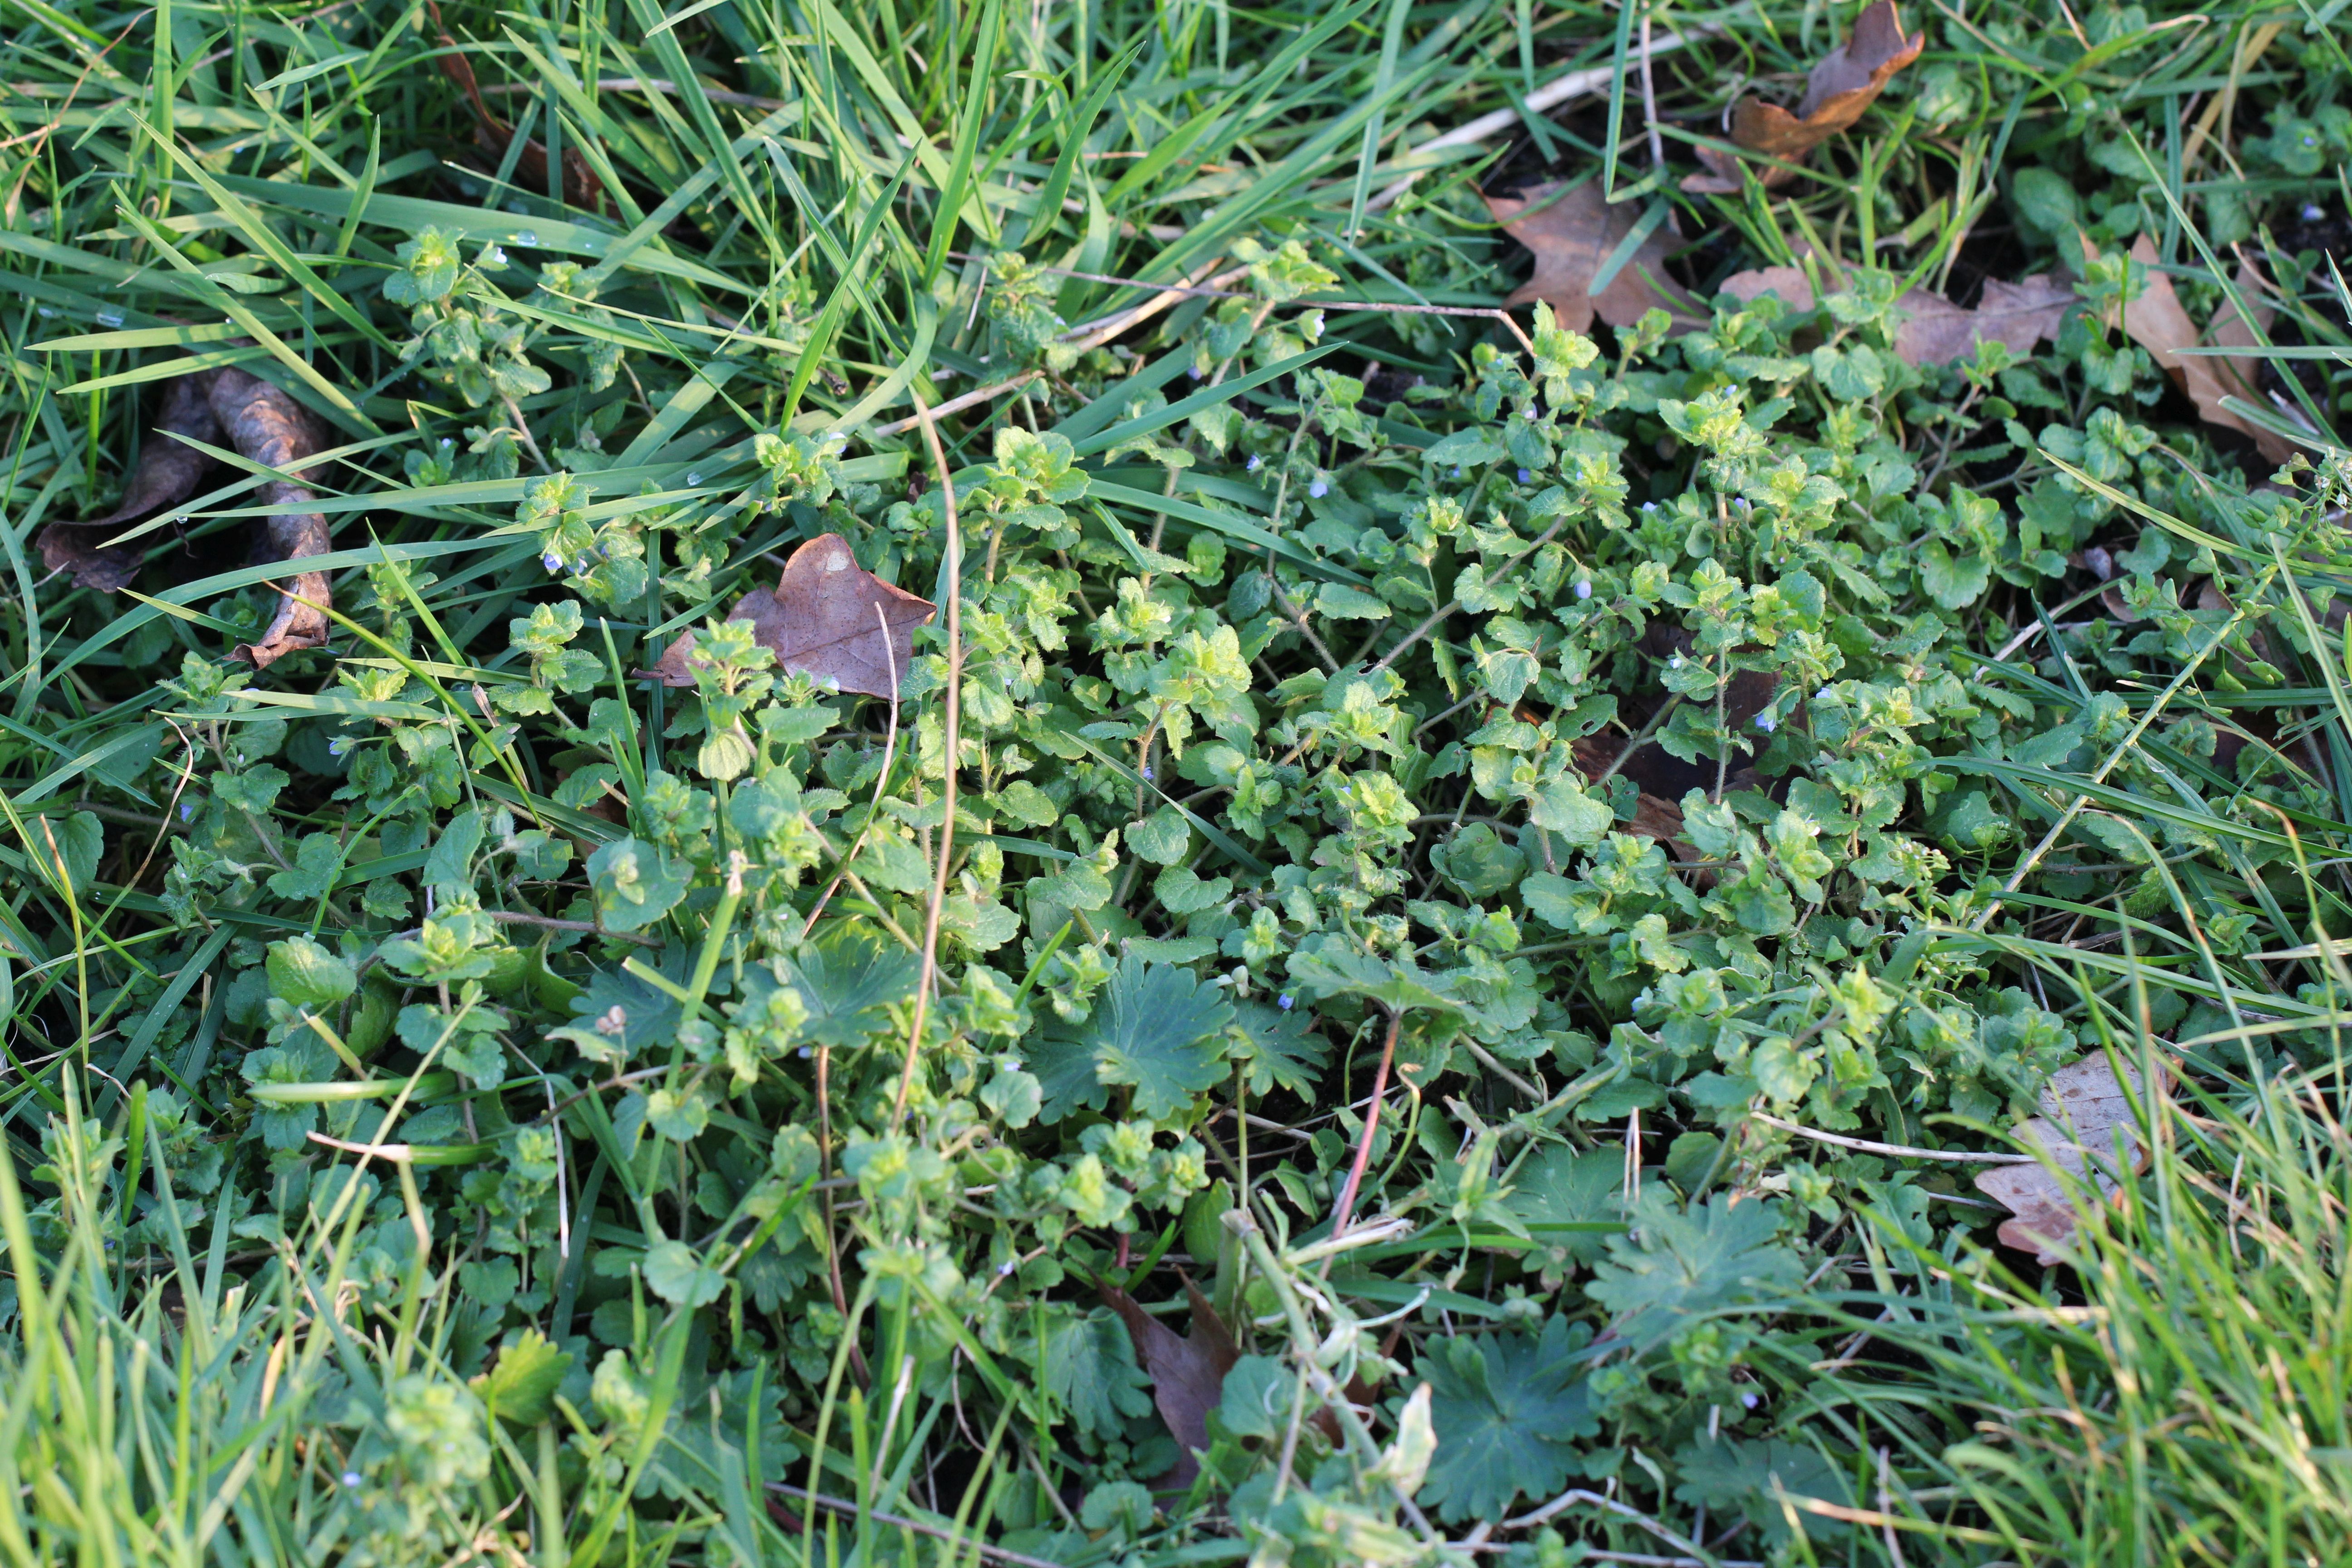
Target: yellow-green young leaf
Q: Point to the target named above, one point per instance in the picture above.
(520, 1385)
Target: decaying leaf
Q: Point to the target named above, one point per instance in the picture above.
(823, 618)
(1187, 1374)
(1848, 80)
(258, 421)
(1937, 332)
(168, 473)
(2158, 324)
(492, 135)
(1572, 238)
(2085, 1111)
(270, 428)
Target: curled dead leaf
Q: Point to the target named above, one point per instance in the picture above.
(1571, 233)
(2087, 1129)
(168, 473)
(1935, 330)
(259, 422)
(265, 425)
(1847, 81)
(1187, 1373)
(2158, 322)
(828, 617)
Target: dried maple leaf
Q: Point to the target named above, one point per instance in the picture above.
(1848, 80)
(2083, 1112)
(2158, 322)
(492, 135)
(1187, 1374)
(1570, 237)
(1937, 332)
(168, 473)
(830, 617)
(258, 421)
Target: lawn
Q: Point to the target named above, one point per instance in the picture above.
(1163, 784)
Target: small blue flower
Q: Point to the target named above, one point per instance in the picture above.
(351, 1478)
(1751, 1401)
(338, 747)
(1194, 372)
(1584, 590)
(1649, 506)
(582, 564)
(187, 811)
(2312, 212)
(2309, 140)
(1764, 722)
(1146, 774)
(1742, 504)
(1675, 662)
(1457, 471)
(1255, 462)
(1319, 489)
(552, 561)
(1285, 1004)
(1525, 475)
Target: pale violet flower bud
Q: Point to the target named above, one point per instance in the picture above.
(2312, 212)
(1764, 722)
(1255, 462)
(552, 561)
(1319, 489)
(1675, 662)
(1287, 1002)
(1584, 590)
(351, 1478)
(1525, 475)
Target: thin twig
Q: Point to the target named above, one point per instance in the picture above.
(1552, 94)
(1094, 333)
(1898, 1151)
(959, 403)
(1210, 291)
(947, 765)
(1371, 1122)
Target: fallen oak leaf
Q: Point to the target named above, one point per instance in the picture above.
(2084, 1111)
(2158, 322)
(1935, 330)
(1188, 1373)
(1573, 234)
(1846, 81)
(493, 135)
(821, 618)
(168, 473)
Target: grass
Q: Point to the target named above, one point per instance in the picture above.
(466, 1102)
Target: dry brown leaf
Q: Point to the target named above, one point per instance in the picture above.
(265, 425)
(830, 617)
(2158, 322)
(492, 135)
(1937, 332)
(226, 407)
(1572, 238)
(2083, 1112)
(1848, 80)
(1187, 1374)
(168, 473)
